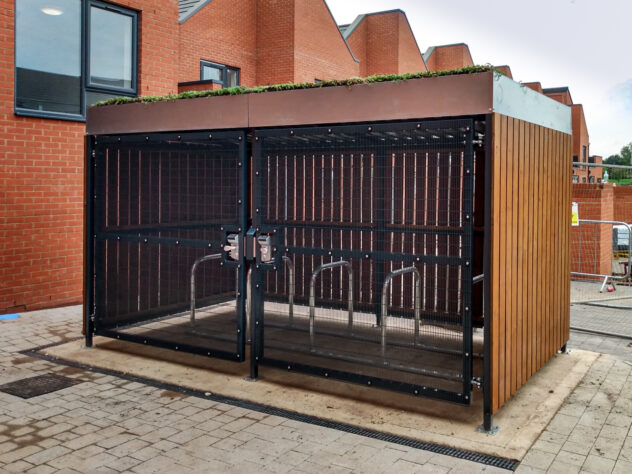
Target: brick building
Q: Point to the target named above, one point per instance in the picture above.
(591, 248)
(581, 142)
(383, 43)
(131, 48)
(448, 56)
(72, 53)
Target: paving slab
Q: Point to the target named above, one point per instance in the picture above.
(601, 403)
(521, 420)
(104, 409)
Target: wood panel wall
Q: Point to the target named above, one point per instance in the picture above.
(530, 251)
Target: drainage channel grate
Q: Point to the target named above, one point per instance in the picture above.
(38, 385)
(502, 463)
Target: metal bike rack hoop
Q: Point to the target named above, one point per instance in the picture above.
(290, 274)
(417, 304)
(205, 258)
(312, 295)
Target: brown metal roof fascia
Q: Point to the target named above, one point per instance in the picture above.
(446, 96)
(207, 113)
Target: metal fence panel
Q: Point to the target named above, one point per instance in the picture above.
(602, 250)
(393, 203)
(161, 203)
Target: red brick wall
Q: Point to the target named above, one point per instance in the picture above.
(410, 59)
(320, 51)
(158, 45)
(536, 86)
(449, 57)
(597, 171)
(563, 97)
(275, 41)
(623, 204)
(506, 70)
(358, 43)
(580, 132)
(591, 245)
(580, 140)
(382, 43)
(223, 31)
(385, 44)
(41, 172)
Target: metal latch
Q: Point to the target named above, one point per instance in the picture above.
(265, 248)
(232, 246)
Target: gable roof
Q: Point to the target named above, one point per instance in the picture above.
(432, 49)
(346, 30)
(535, 85)
(186, 8)
(506, 70)
(558, 90)
(343, 28)
(342, 32)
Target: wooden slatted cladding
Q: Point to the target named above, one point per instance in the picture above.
(530, 251)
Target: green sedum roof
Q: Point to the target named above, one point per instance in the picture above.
(291, 86)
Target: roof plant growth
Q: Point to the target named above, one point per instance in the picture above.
(291, 86)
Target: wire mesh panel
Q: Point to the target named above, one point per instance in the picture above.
(371, 273)
(162, 206)
(600, 248)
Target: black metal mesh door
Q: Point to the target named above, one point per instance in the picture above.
(369, 277)
(163, 205)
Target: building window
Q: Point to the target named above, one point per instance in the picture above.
(591, 179)
(220, 74)
(584, 153)
(575, 179)
(583, 179)
(70, 54)
(574, 158)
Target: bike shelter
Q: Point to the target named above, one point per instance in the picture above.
(305, 239)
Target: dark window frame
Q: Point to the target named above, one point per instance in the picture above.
(224, 72)
(86, 6)
(121, 11)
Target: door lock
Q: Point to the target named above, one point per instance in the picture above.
(265, 248)
(232, 246)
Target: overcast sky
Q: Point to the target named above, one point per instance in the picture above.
(583, 44)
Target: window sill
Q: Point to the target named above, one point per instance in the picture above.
(49, 115)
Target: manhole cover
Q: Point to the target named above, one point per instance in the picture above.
(38, 385)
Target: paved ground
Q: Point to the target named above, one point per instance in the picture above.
(108, 424)
(614, 317)
(589, 291)
(591, 432)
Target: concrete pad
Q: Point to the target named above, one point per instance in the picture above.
(520, 421)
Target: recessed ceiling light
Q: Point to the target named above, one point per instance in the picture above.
(52, 11)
